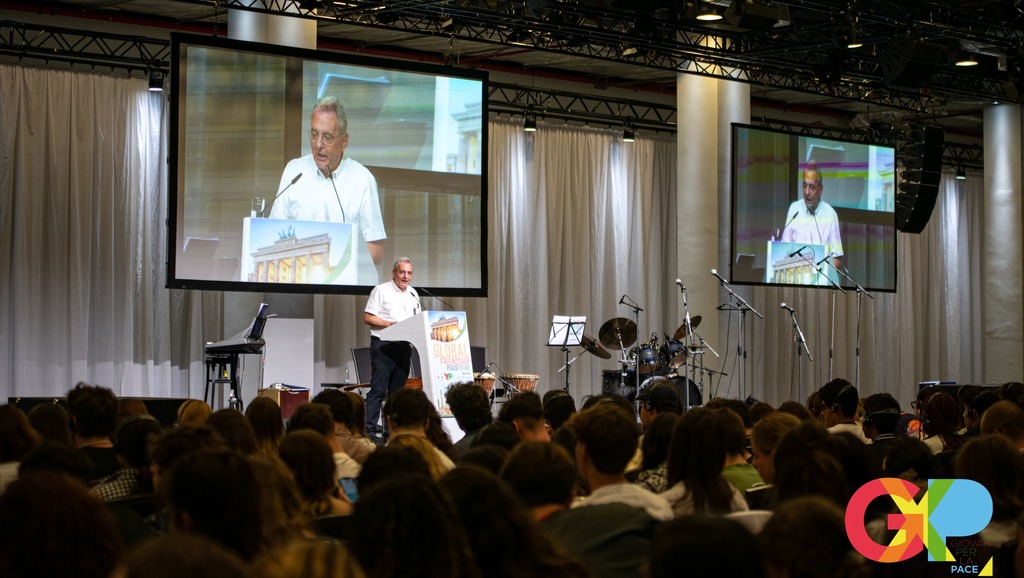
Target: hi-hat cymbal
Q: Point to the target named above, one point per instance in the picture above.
(680, 333)
(617, 333)
(592, 346)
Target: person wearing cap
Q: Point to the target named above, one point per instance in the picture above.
(657, 399)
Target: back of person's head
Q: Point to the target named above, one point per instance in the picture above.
(737, 405)
(358, 423)
(236, 431)
(175, 445)
(657, 439)
(806, 463)
(524, 407)
(489, 457)
(264, 415)
(469, 405)
(408, 408)
(759, 410)
(339, 404)
(766, 434)
(504, 539)
(881, 411)
(425, 448)
(215, 494)
(312, 416)
(309, 558)
(796, 409)
(1011, 391)
(806, 538)
(940, 415)
(133, 438)
(608, 436)
(281, 503)
(697, 456)
(540, 474)
(17, 437)
(619, 400)
(309, 457)
(735, 434)
(51, 525)
(128, 407)
(662, 397)
(859, 465)
(559, 406)
(1004, 418)
(409, 527)
(840, 396)
(979, 404)
(52, 422)
(498, 434)
(57, 458)
(391, 461)
(707, 547)
(193, 413)
(93, 410)
(177, 555)
(910, 459)
(815, 404)
(993, 461)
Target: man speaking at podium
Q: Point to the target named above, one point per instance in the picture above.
(388, 304)
(813, 220)
(328, 186)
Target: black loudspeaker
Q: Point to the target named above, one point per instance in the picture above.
(908, 62)
(919, 181)
(163, 409)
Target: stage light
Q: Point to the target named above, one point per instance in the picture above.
(628, 134)
(961, 174)
(966, 59)
(530, 122)
(708, 12)
(156, 81)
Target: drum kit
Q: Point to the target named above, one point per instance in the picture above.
(652, 361)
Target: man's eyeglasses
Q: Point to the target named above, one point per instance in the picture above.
(328, 138)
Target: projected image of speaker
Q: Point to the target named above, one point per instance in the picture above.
(919, 179)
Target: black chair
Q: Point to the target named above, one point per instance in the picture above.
(364, 368)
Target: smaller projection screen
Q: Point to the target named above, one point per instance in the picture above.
(811, 211)
(298, 171)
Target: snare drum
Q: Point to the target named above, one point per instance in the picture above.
(485, 381)
(521, 381)
(646, 357)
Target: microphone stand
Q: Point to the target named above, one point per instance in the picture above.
(832, 318)
(742, 306)
(860, 291)
(636, 319)
(801, 345)
(688, 365)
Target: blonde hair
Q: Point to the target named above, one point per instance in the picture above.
(426, 449)
(193, 412)
(309, 558)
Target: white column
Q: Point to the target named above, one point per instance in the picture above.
(1003, 305)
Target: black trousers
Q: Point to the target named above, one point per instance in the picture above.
(390, 361)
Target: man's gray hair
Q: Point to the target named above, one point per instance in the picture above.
(401, 260)
(332, 104)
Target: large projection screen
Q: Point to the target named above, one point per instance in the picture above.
(412, 180)
(812, 211)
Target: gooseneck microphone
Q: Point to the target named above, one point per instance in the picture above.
(266, 211)
(790, 221)
(344, 219)
(798, 251)
(429, 294)
(825, 258)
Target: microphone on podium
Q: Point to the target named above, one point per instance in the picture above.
(266, 211)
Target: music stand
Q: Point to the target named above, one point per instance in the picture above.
(566, 331)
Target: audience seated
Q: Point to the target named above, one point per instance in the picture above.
(310, 458)
(1005, 418)
(17, 440)
(612, 539)
(358, 422)
(317, 417)
(236, 431)
(758, 411)
(910, 459)
(606, 439)
(93, 412)
(127, 408)
(431, 455)
(57, 458)
(438, 436)
(51, 526)
(658, 399)
(498, 434)
(881, 414)
(408, 411)
(839, 409)
(504, 539)
(737, 470)
(193, 413)
(940, 422)
(695, 462)
(489, 457)
(340, 405)
(264, 415)
(559, 406)
(52, 422)
(306, 558)
(472, 411)
(389, 462)
(765, 439)
(807, 464)
(525, 413)
(806, 538)
(975, 408)
(184, 556)
(992, 461)
(131, 443)
(654, 449)
(282, 508)
(178, 445)
(796, 409)
(704, 547)
(409, 527)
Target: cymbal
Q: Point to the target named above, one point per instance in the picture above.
(592, 346)
(617, 333)
(680, 333)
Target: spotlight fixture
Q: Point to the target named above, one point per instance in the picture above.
(966, 59)
(530, 122)
(708, 12)
(961, 174)
(156, 81)
(628, 133)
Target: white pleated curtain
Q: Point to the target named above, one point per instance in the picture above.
(576, 219)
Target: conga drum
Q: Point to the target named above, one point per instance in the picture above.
(484, 380)
(521, 381)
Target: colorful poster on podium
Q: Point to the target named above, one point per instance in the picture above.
(449, 350)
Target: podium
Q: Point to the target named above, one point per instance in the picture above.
(442, 340)
(787, 269)
(308, 252)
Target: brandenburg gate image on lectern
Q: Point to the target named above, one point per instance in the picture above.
(293, 260)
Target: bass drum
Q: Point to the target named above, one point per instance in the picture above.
(679, 382)
(619, 382)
